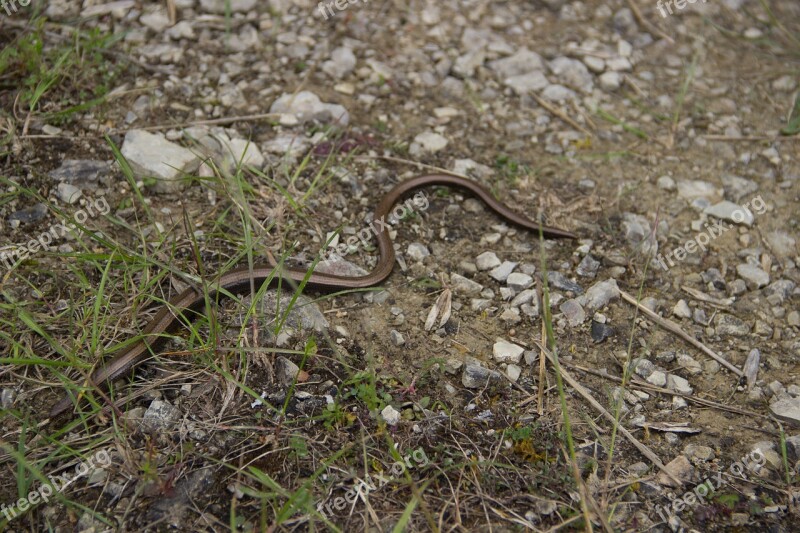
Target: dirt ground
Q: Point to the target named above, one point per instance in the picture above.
(185, 138)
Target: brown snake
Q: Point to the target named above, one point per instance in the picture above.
(241, 280)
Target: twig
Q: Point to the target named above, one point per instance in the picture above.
(711, 137)
(73, 137)
(646, 23)
(210, 122)
(703, 297)
(410, 162)
(635, 87)
(559, 114)
(661, 390)
(676, 329)
(647, 452)
(540, 404)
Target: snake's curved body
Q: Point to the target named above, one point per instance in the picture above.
(242, 280)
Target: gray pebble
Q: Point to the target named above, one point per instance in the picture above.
(417, 251)
(487, 261)
(502, 272)
(464, 285)
(573, 312)
(752, 275)
(477, 376)
(587, 267)
(518, 281)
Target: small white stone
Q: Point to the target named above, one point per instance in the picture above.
(753, 33)
(243, 152)
(678, 384)
(345, 88)
(397, 338)
(487, 260)
(502, 272)
(619, 64)
(754, 276)
(513, 372)
(519, 281)
(390, 415)
(610, 81)
(157, 21)
(465, 285)
(507, 352)
(666, 183)
(682, 310)
(68, 193)
(657, 378)
(446, 112)
(417, 251)
(428, 143)
(595, 64)
(731, 212)
(47, 129)
(288, 120)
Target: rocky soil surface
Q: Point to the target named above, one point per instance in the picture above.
(226, 129)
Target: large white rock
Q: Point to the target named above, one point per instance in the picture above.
(244, 152)
(427, 143)
(306, 106)
(731, 212)
(152, 156)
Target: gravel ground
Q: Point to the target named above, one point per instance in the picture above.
(185, 137)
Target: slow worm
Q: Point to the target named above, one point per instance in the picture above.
(240, 280)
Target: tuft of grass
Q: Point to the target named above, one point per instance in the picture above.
(793, 120)
(547, 319)
(605, 115)
(687, 82)
(60, 76)
(510, 169)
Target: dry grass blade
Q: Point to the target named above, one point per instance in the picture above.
(661, 390)
(416, 164)
(209, 122)
(723, 303)
(563, 116)
(647, 452)
(646, 23)
(751, 367)
(442, 306)
(676, 329)
(673, 427)
(542, 373)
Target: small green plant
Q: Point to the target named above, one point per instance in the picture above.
(729, 500)
(60, 78)
(520, 433)
(793, 122)
(335, 416)
(510, 169)
(298, 446)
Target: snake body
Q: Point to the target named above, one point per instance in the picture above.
(242, 280)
